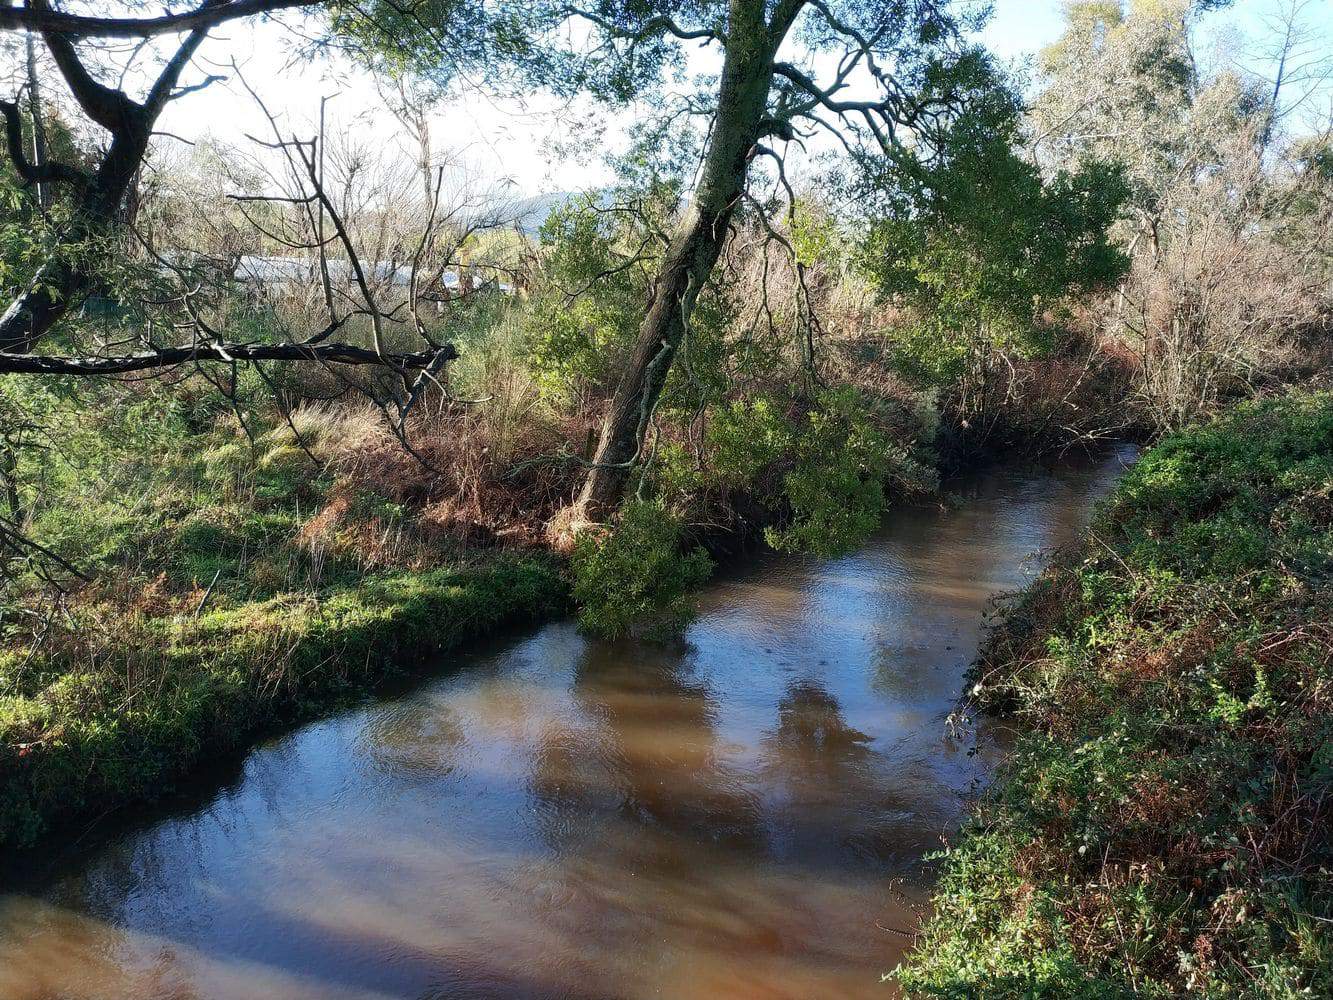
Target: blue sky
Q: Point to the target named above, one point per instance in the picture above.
(1021, 27)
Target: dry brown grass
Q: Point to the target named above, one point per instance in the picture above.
(471, 476)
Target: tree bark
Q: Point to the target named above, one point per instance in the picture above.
(695, 246)
(59, 284)
(62, 282)
(424, 161)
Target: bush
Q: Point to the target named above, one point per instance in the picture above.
(637, 573)
(1163, 827)
(842, 462)
(585, 320)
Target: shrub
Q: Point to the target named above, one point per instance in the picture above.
(842, 462)
(1162, 828)
(637, 573)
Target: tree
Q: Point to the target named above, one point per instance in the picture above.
(1227, 226)
(910, 57)
(1300, 64)
(984, 259)
(100, 196)
(412, 100)
(1119, 88)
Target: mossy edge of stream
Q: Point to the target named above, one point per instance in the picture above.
(225, 676)
(1157, 830)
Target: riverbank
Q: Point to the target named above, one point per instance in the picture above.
(139, 679)
(1162, 827)
(85, 731)
(330, 577)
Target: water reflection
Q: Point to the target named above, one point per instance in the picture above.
(722, 817)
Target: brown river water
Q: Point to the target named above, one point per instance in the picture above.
(741, 814)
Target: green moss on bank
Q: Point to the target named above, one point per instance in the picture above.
(1163, 828)
(92, 725)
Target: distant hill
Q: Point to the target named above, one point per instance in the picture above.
(530, 214)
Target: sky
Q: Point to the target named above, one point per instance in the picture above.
(537, 145)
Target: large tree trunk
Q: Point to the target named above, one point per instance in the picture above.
(61, 283)
(36, 309)
(694, 249)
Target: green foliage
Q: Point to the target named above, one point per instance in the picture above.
(982, 246)
(437, 40)
(744, 437)
(94, 721)
(637, 573)
(595, 279)
(587, 315)
(815, 236)
(29, 235)
(662, 156)
(841, 463)
(824, 478)
(1160, 830)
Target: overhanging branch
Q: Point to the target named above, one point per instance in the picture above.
(107, 106)
(83, 26)
(653, 27)
(169, 357)
(33, 173)
(15, 542)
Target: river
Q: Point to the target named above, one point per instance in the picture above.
(741, 814)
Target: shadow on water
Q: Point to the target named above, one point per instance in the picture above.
(216, 778)
(739, 814)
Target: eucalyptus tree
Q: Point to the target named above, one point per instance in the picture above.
(1122, 86)
(882, 76)
(1227, 227)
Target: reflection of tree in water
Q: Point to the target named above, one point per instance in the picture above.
(656, 838)
(835, 797)
(811, 729)
(650, 753)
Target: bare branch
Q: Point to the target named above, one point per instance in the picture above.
(169, 357)
(651, 28)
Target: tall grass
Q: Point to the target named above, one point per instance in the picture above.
(245, 567)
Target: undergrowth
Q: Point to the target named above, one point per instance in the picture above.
(245, 567)
(1163, 827)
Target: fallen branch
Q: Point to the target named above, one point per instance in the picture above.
(168, 357)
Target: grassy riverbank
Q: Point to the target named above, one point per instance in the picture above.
(239, 576)
(99, 725)
(1163, 826)
(212, 564)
